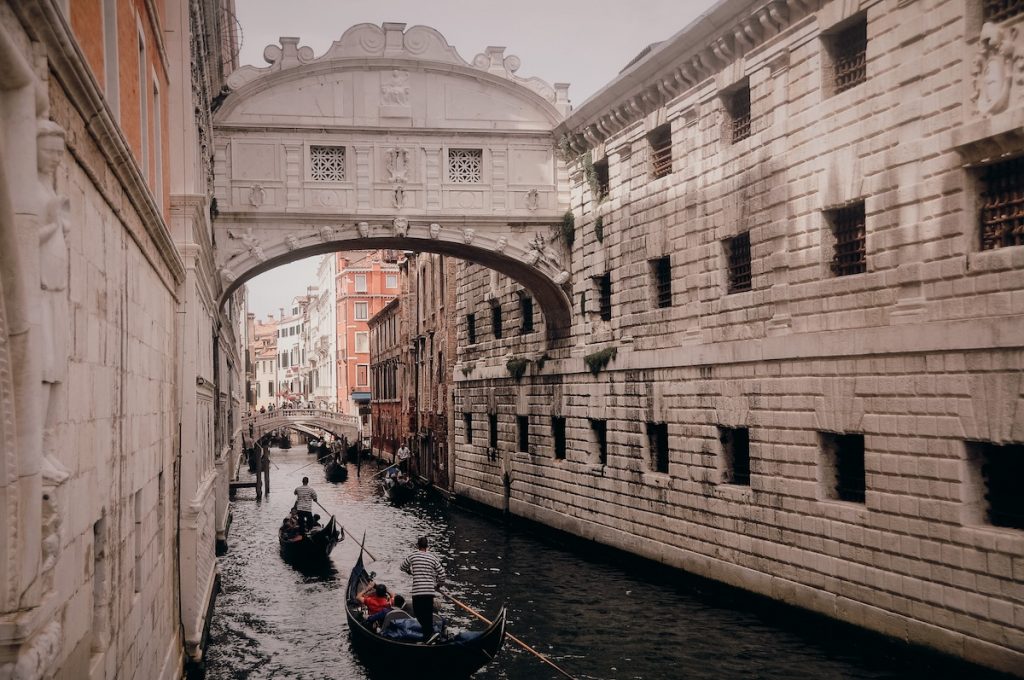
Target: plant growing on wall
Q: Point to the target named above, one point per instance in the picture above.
(587, 163)
(540, 361)
(567, 230)
(467, 368)
(599, 228)
(517, 367)
(599, 359)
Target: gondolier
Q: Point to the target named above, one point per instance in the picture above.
(403, 458)
(427, 577)
(305, 496)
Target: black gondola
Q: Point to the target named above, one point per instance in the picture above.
(314, 547)
(398, 492)
(335, 471)
(285, 442)
(312, 446)
(447, 658)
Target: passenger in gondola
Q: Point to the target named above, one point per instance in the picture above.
(375, 598)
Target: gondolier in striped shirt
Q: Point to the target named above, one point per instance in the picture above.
(304, 503)
(427, 577)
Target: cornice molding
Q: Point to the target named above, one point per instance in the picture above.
(45, 23)
(716, 39)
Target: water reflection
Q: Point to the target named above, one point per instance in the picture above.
(597, 614)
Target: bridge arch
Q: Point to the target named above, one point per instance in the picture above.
(391, 140)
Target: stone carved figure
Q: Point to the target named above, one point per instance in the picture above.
(54, 226)
(501, 245)
(291, 242)
(396, 161)
(395, 90)
(401, 225)
(435, 230)
(249, 243)
(257, 195)
(536, 252)
(468, 235)
(995, 68)
(398, 196)
(532, 199)
(227, 276)
(364, 229)
(326, 233)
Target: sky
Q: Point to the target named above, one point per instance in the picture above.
(581, 42)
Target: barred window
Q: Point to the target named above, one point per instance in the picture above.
(848, 228)
(1001, 10)
(471, 328)
(661, 280)
(738, 107)
(1002, 205)
(849, 55)
(327, 163)
(660, 139)
(602, 177)
(465, 166)
(737, 253)
(604, 294)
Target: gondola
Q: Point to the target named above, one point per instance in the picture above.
(313, 446)
(314, 547)
(335, 471)
(457, 657)
(398, 492)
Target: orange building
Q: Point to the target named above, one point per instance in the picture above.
(366, 282)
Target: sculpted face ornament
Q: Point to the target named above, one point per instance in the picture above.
(364, 229)
(401, 225)
(326, 233)
(227, 276)
(562, 277)
(291, 242)
(435, 230)
(468, 235)
(501, 245)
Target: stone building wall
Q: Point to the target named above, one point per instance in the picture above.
(911, 366)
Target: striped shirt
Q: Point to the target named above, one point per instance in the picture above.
(426, 571)
(306, 497)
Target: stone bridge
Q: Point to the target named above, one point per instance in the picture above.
(392, 140)
(338, 424)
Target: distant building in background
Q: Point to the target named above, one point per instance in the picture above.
(321, 339)
(432, 327)
(264, 354)
(291, 357)
(389, 358)
(366, 282)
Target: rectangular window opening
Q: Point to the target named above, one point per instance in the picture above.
(471, 328)
(735, 455)
(738, 108)
(467, 420)
(999, 474)
(657, 445)
(1002, 204)
(604, 296)
(602, 178)
(1001, 10)
(848, 49)
(137, 521)
(660, 139)
(737, 253)
(600, 430)
(526, 311)
(661, 280)
(850, 233)
(558, 434)
(496, 320)
(843, 466)
(465, 166)
(492, 427)
(523, 425)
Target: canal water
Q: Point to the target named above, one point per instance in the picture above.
(595, 613)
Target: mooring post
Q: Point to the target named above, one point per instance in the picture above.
(265, 464)
(259, 487)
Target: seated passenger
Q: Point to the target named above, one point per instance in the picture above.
(393, 613)
(375, 598)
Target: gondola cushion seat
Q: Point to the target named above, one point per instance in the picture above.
(408, 630)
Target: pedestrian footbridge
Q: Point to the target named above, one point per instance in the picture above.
(301, 419)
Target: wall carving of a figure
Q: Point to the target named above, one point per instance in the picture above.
(54, 226)
(395, 90)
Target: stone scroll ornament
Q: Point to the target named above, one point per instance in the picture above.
(54, 226)
(996, 68)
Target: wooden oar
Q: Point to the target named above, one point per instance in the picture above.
(353, 537)
(512, 637)
(380, 472)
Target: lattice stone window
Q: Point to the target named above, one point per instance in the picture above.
(1001, 10)
(846, 51)
(849, 231)
(1002, 205)
(465, 166)
(327, 163)
(737, 254)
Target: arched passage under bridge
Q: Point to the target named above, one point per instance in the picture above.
(391, 140)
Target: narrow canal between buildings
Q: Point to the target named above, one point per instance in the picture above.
(595, 613)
